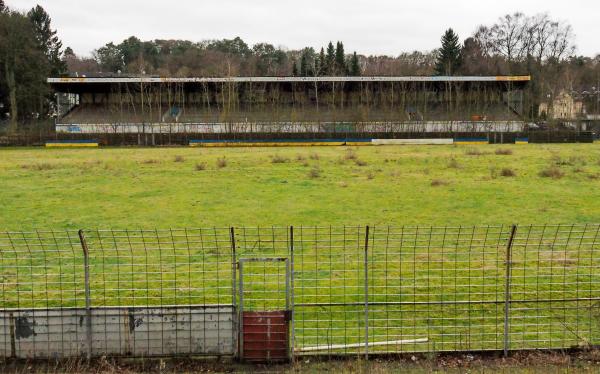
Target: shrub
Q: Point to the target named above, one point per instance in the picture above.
(221, 162)
(504, 152)
(507, 172)
(552, 172)
(201, 166)
(179, 159)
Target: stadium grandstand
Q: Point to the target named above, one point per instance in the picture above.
(143, 104)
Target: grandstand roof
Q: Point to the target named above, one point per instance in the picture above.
(148, 79)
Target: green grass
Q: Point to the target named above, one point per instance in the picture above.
(438, 185)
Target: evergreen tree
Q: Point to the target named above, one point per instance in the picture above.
(2, 6)
(321, 64)
(48, 40)
(354, 66)
(340, 59)
(294, 67)
(23, 69)
(304, 65)
(330, 60)
(449, 58)
(69, 52)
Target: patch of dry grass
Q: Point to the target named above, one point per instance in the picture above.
(552, 172)
(454, 164)
(508, 172)
(315, 172)
(221, 162)
(504, 152)
(474, 152)
(439, 182)
(350, 154)
(39, 167)
(278, 159)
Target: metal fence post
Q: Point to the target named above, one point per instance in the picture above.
(367, 293)
(292, 316)
(507, 294)
(233, 279)
(88, 301)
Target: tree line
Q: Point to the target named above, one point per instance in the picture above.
(516, 44)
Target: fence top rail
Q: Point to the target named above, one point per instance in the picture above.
(296, 227)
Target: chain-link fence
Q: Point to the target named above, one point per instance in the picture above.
(347, 290)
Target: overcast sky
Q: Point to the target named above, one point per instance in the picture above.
(369, 26)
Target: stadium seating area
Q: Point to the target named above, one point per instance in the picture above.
(103, 114)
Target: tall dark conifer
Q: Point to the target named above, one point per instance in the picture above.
(294, 67)
(340, 59)
(321, 63)
(304, 65)
(449, 58)
(354, 68)
(330, 60)
(47, 39)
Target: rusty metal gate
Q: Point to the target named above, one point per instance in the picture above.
(264, 307)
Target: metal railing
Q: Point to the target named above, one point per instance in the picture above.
(351, 290)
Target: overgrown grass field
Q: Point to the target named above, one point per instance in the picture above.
(439, 185)
(199, 187)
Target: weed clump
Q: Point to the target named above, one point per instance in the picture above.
(507, 172)
(453, 164)
(360, 162)
(439, 182)
(314, 156)
(39, 167)
(314, 173)
(504, 152)
(552, 172)
(201, 166)
(278, 159)
(178, 159)
(350, 154)
(473, 152)
(221, 162)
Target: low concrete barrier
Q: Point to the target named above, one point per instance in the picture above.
(412, 141)
(118, 331)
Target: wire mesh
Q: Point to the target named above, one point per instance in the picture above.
(555, 287)
(163, 270)
(401, 289)
(42, 279)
